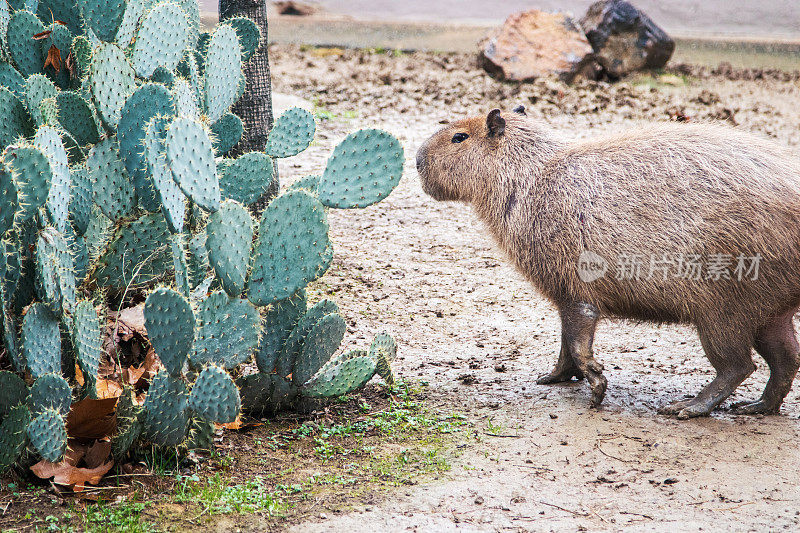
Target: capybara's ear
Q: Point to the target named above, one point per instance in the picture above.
(520, 110)
(495, 123)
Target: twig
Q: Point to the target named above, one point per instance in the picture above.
(576, 513)
(734, 507)
(637, 514)
(499, 435)
(6, 508)
(599, 449)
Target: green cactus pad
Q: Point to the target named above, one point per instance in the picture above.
(86, 338)
(9, 201)
(230, 235)
(137, 253)
(80, 253)
(363, 170)
(384, 349)
(41, 341)
(163, 76)
(112, 191)
(190, 156)
(48, 434)
(103, 16)
(11, 341)
(15, 392)
(82, 52)
(129, 423)
(245, 178)
(214, 396)
(130, 20)
(192, 10)
(30, 169)
(227, 331)
(111, 80)
(13, 436)
(76, 116)
(38, 87)
(172, 199)
(66, 11)
(80, 201)
(227, 132)
(341, 375)
(189, 70)
(169, 321)
(11, 79)
(50, 391)
(26, 52)
(148, 101)
(16, 122)
(55, 272)
(197, 259)
(307, 183)
(49, 142)
(185, 99)
(223, 70)
(163, 36)
(201, 435)
(293, 238)
(281, 318)
(320, 344)
(249, 35)
(291, 134)
(166, 410)
(179, 264)
(294, 343)
(255, 391)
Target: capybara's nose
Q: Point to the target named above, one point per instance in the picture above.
(420, 159)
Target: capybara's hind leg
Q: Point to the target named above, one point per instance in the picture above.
(565, 368)
(730, 357)
(777, 344)
(578, 322)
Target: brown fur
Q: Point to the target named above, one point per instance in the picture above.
(670, 188)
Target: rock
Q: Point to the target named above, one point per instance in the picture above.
(624, 39)
(534, 44)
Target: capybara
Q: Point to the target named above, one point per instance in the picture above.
(681, 223)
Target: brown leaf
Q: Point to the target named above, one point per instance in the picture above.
(42, 35)
(108, 389)
(133, 375)
(237, 424)
(98, 454)
(93, 419)
(53, 58)
(71, 476)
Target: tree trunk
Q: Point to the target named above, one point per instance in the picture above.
(255, 106)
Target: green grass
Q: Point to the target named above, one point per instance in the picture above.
(215, 495)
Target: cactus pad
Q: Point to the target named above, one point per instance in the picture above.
(24, 50)
(169, 321)
(80, 201)
(248, 33)
(163, 76)
(55, 273)
(86, 335)
(190, 156)
(308, 183)
(15, 392)
(245, 178)
(281, 318)
(363, 170)
(48, 141)
(13, 436)
(75, 115)
(32, 175)
(130, 20)
(185, 100)
(8, 200)
(112, 191)
(16, 121)
(41, 341)
(137, 253)
(48, 434)
(384, 349)
(111, 80)
(222, 71)
(214, 396)
(129, 423)
(172, 199)
(66, 11)
(227, 131)
(227, 331)
(320, 344)
(166, 412)
(163, 36)
(293, 238)
(230, 234)
(291, 134)
(341, 375)
(11, 341)
(11, 79)
(103, 16)
(294, 343)
(179, 263)
(38, 88)
(50, 391)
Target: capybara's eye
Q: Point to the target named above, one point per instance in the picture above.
(460, 138)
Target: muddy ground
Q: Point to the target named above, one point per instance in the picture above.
(469, 324)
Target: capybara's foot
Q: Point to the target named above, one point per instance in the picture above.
(758, 407)
(559, 376)
(685, 409)
(598, 382)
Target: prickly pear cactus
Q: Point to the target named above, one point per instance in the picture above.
(114, 184)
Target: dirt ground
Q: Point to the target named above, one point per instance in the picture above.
(469, 325)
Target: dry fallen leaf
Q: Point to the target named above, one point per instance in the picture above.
(97, 463)
(108, 389)
(92, 419)
(42, 35)
(53, 58)
(237, 424)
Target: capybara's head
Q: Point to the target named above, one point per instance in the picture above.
(456, 162)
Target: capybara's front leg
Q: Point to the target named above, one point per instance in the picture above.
(578, 322)
(565, 368)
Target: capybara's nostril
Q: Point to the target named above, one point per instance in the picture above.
(420, 160)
